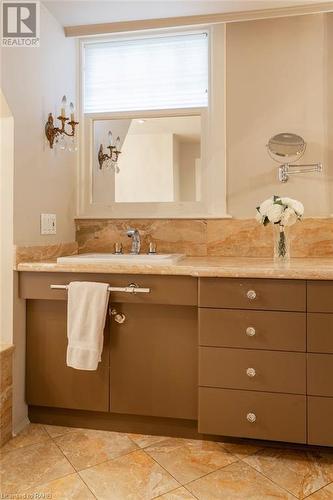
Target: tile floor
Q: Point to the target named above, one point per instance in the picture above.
(63, 463)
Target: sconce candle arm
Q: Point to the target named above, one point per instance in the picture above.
(52, 132)
(102, 157)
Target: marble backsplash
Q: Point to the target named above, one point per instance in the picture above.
(43, 252)
(312, 237)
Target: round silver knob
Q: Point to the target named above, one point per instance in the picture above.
(250, 372)
(251, 294)
(251, 417)
(250, 331)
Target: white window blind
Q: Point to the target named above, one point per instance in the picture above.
(146, 73)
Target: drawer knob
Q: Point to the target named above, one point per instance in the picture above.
(251, 294)
(250, 331)
(250, 372)
(251, 417)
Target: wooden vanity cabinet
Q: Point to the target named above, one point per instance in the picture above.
(320, 362)
(261, 366)
(154, 361)
(49, 381)
(252, 359)
(149, 363)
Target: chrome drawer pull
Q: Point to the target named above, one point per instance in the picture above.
(132, 288)
(251, 294)
(250, 331)
(250, 372)
(251, 417)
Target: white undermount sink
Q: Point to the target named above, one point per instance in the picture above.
(103, 258)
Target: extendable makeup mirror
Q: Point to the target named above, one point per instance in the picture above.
(289, 148)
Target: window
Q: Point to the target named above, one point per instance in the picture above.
(161, 72)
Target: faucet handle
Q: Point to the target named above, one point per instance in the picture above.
(118, 248)
(152, 248)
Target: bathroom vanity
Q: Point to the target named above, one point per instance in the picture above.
(198, 355)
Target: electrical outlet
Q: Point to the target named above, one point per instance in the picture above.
(48, 224)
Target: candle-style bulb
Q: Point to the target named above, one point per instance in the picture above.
(63, 106)
(117, 144)
(110, 138)
(71, 107)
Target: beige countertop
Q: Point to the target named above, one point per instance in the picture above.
(235, 267)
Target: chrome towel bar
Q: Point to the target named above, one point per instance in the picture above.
(132, 288)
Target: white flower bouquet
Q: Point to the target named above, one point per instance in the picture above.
(283, 213)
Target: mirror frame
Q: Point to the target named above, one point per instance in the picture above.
(213, 203)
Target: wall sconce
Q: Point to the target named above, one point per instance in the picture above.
(112, 158)
(52, 133)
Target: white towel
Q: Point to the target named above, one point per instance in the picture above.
(86, 314)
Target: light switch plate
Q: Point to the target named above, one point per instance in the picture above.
(48, 224)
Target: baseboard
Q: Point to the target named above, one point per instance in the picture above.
(20, 426)
(137, 424)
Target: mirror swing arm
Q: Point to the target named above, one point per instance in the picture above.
(287, 169)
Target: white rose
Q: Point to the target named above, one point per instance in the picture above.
(289, 217)
(274, 213)
(259, 217)
(265, 205)
(296, 205)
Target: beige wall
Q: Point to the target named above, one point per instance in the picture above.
(329, 86)
(6, 222)
(146, 168)
(277, 81)
(33, 81)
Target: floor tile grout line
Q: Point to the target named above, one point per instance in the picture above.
(75, 469)
(99, 463)
(314, 492)
(208, 473)
(18, 448)
(40, 485)
(104, 461)
(93, 494)
(269, 479)
(67, 459)
(237, 459)
(162, 467)
(191, 491)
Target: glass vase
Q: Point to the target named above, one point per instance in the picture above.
(281, 244)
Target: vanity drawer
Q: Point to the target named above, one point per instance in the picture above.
(282, 331)
(320, 374)
(320, 418)
(172, 290)
(252, 370)
(320, 332)
(267, 294)
(320, 296)
(278, 417)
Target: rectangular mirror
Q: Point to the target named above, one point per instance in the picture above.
(160, 160)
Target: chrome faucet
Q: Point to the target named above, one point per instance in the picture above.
(136, 242)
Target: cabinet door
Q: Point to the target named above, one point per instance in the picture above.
(49, 381)
(153, 361)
